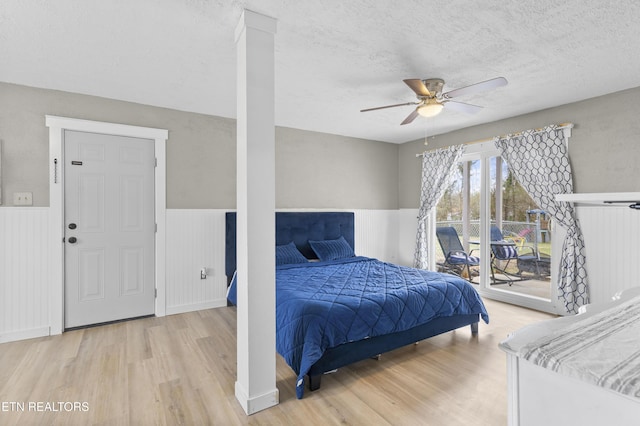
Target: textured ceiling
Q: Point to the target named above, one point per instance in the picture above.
(333, 57)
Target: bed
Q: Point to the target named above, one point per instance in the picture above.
(583, 369)
(334, 308)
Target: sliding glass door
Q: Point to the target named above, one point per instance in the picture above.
(507, 237)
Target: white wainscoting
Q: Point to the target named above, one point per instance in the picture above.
(612, 243)
(376, 234)
(407, 232)
(194, 240)
(24, 273)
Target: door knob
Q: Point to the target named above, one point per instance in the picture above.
(72, 240)
(72, 226)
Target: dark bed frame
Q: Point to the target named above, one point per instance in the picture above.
(300, 227)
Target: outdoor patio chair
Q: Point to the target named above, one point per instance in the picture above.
(504, 251)
(456, 260)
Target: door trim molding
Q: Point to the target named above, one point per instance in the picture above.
(57, 126)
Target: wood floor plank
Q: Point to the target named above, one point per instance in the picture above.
(181, 369)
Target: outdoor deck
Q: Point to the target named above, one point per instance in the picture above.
(532, 287)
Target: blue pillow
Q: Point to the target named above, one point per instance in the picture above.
(289, 253)
(332, 249)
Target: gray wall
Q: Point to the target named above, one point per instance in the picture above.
(604, 147)
(314, 170)
(324, 171)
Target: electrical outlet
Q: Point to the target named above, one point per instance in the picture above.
(23, 198)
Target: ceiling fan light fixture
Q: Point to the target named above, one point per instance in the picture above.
(431, 108)
(431, 99)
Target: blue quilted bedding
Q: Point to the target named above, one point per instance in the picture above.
(320, 305)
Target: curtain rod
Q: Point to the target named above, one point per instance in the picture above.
(560, 126)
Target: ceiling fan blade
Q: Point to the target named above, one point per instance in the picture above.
(418, 86)
(410, 117)
(389, 106)
(462, 107)
(475, 88)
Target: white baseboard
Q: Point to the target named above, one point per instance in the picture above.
(181, 309)
(24, 334)
(257, 403)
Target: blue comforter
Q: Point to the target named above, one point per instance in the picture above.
(320, 305)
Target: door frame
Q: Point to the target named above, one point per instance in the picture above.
(57, 126)
(483, 152)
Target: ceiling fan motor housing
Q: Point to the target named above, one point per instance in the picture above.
(434, 85)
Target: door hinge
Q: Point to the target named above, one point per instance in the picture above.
(156, 228)
(156, 162)
(155, 294)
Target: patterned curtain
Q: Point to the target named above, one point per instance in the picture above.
(540, 162)
(437, 168)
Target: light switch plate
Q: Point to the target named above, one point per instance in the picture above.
(23, 198)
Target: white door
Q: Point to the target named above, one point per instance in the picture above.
(109, 228)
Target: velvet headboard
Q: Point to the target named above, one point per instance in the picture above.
(299, 227)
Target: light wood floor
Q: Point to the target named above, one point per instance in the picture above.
(180, 369)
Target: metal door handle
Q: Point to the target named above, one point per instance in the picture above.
(72, 226)
(72, 240)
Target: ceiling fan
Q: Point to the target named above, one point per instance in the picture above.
(431, 100)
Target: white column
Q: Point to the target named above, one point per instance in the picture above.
(498, 193)
(255, 387)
